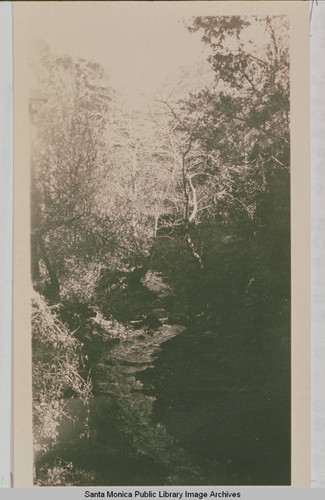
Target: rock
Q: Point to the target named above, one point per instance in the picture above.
(179, 319)
(137, 323)
(154, 281)
(159, 313)
(152, 321)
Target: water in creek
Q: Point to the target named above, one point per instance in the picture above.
(179, 405)
(114, 437)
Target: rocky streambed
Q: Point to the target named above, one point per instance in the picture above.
(114, 439)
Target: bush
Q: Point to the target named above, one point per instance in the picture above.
(57, 360)
(64, 474)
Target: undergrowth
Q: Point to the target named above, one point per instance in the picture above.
(57, 363)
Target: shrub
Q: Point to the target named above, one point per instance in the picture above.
(57, 359)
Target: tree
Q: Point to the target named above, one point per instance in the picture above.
(231, 142)
(246, 111)
(67, 158)
(243, 128)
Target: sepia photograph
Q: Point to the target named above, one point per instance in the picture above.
(160, 209)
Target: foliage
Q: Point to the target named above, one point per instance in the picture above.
(57, 355)
(67, 157)
(233, 144)
(64, 474)
(235, 132)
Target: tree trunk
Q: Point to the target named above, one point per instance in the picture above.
(195, 254)
(192, 217)
(184, 176)
(52, 291)
(134, 189)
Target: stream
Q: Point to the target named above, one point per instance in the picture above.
(176, 404)
(113, 438)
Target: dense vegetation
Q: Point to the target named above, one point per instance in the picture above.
(161, 268)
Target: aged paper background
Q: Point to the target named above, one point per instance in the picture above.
(6, 151)
(28, 15)
(317, 78)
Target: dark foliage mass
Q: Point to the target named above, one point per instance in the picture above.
(161, 268)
